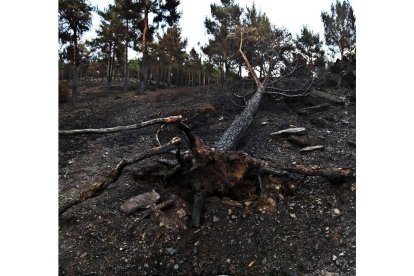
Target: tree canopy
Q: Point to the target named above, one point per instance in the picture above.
(340, 29)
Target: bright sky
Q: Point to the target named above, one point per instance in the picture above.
(292, 14)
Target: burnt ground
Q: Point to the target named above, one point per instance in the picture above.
(311, 232)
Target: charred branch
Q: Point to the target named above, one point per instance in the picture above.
(166, 120)
(98, 187)
(333, 174)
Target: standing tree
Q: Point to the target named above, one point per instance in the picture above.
(340, 30)
(165, 11)
(172, 46)
(129, 18)
(195, 67)
(74, 20)
(107, 39)
(310, 46)
(222, 47)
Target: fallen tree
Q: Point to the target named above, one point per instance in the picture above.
(220, 170)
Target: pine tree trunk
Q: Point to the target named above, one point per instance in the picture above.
(143, 77)
(126, 59)
(169, 72)
(75, 69)
(241, 123)
(227, 67)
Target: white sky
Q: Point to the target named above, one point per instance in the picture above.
(292, 14)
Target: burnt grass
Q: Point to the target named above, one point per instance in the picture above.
(304, 235)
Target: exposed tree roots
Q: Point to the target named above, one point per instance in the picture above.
(220, 172)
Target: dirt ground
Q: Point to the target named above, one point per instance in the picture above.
(311, 232)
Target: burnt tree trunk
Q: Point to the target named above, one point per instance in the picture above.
(241, 123)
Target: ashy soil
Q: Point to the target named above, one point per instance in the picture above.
(309, 232)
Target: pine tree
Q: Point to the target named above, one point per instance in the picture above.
(129, 19)
(310, 46)
(165, 12)
(74, 20)
(340, 29)
(222, 45)
(172, 46)
(107, 40)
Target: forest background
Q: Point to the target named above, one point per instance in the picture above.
(29, 110)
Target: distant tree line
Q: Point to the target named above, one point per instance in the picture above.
(125, 25)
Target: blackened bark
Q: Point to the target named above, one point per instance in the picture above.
(241, 123)
(197, 211)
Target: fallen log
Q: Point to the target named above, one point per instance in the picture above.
(241, 123)
(332, 174)
(314, 109)
(289, 131)
(329, 97)
(99, 186)
(166, 120)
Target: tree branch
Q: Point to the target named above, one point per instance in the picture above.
(249, 66)
(99, 186)
(166, 120)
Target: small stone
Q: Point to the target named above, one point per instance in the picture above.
(216, 219)
(248, 203)
(142, 201)
(228, 261)
(293, 215)
(171, 251)
(230, 211)
(234, 217)
(336, 211)
(176, 266)
(146, 265)
(341, 254)
(181, 213)
(334, 257)
(264, 261)
(83, 255)
(221, 118)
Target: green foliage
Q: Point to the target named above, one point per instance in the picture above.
(310, 46)
(74, 20)
(171, 46)
(222, 45)
(134, 64)
(340, 29)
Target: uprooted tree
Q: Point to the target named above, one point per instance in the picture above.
(220, 169)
